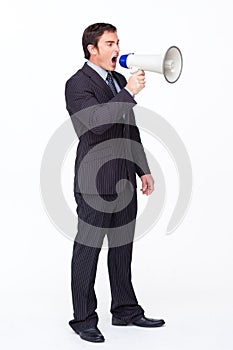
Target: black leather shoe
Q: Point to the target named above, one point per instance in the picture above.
(92, 334)
(141, 322)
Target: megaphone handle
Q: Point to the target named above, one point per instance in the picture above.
(134, 69)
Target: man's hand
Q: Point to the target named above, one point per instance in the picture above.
(136, 82)
(147, 184)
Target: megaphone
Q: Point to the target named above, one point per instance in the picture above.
(170, 64)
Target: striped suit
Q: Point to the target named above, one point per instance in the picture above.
(101, 119)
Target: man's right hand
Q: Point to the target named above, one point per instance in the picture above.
(136, 82)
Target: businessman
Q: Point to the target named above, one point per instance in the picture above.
(109, 155)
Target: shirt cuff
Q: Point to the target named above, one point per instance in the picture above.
(129, 92)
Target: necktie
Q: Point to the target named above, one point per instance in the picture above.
(111, 83)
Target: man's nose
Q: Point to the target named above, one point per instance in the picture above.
(117, 48)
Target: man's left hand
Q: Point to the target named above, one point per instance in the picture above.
(147, 184)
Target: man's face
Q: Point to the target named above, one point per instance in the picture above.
(106, 53)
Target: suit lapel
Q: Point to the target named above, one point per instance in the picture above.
(120, 79)
(96, 78)
(100, 82)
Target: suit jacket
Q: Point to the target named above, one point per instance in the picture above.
(102, 122)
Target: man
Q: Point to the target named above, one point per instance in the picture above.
(109, 154)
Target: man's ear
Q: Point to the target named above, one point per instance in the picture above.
(92, 49)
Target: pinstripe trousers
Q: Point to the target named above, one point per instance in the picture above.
(95, 220)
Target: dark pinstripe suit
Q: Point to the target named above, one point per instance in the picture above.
(97, 119)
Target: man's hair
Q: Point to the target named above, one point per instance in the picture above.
(92, 34)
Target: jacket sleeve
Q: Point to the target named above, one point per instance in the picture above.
(85, 108)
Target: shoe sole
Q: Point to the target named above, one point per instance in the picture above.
(92, 341)
(137, 325)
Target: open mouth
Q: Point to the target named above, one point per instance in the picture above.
(114, 59)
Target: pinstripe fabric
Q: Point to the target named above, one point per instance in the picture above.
(124, 303)
(85, 90)
(94, 119)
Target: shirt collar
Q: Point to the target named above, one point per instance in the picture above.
(102, 72)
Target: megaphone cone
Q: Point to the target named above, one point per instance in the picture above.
(170, 64)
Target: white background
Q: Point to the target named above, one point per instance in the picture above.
(186, 277)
